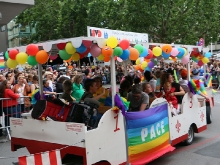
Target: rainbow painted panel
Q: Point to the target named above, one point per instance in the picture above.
(2, 64)
(148, 134)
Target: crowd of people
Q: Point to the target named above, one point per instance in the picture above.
(78, 83)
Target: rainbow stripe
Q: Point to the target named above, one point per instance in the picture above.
(2, 64)
(148, 134)
(208, 79)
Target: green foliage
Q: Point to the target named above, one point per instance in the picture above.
(166, 21)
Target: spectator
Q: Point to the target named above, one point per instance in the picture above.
(78, 90)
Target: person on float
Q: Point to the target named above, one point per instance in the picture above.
(196, 74)
(148, 90)
(151, 79)
(183, 80)
(78, 90)
(139, 100)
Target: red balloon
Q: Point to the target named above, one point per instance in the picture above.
(13, 53)
(150, 54)
(32, 49)
(81, 56)
(87, 43)
(61, 46)
(124, 44)
(200, 63)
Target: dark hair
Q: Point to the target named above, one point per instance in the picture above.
(136, 89)
(147, 75)
(164, 78)
(98, 78)
(62, 79)
(137, 80)
(129, 78)
(2, 88)
(88, 83)
(67, 85)
(86, 72)
(125, 85)
(44, 81)
(35, 78)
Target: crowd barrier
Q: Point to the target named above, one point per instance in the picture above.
(8, 109)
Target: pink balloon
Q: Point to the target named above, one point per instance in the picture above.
(174, 52)
(185, 59)
(200, 63)
(95, 50)
(119, 59)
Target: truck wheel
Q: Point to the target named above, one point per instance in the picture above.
(208, 115)
(190, 138)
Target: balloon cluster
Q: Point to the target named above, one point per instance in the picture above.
(199, 58)
(32, 55)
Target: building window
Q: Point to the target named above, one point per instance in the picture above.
(2, 29)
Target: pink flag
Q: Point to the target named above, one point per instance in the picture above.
(47, 158)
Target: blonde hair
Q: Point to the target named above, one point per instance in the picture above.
(77, 78)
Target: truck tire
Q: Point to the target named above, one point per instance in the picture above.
(190, 138)
(208, 115)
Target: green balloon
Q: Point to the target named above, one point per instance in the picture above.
(6, 55)
(139, 47)
(118, 51)
(31, 60)
(64, 55)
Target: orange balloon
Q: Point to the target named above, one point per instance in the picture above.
(69, 60)
(107, 51)
(167, 49)
(147, 60)
(107, 59)
(134, 54)
(42, 57)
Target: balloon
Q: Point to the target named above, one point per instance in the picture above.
(174, 52)
(124, 44)
(12, 53)
(181, 53)
(125, 55)
(119, 59)
(150, 54)
(185, 59)
(11, 63)
(32, 60)
(6, 55)
(117, 51)
(205, 60)
(95, 50)
(167, 49)
(185, 52)
(107, 51)
(150, 64)
(32, 49)
(42, 57)
(70, 59)
(86, 52)
(61, 46)
(195, 59)
(208, 54)
(147, 69)
(138, 61)
(200, 63)
(54, 57)
(75, 57)
(165, 55)
(144, 64)
(64, 55)
(107, 58)
(112, 42)
(157, 51)
(100, 57)
(144, 53)
(21, 58)
(134, 54)
(70, 49)
(81, 49)
(141, 59)
(139, 47)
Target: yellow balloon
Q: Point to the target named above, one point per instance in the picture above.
(112, 42)
(185, 52)
(138, 61)
(144, 64)
(205, 60)
(157, 51)
(69, 48)
(75, 57)
(100, 57)
(11, 63)
(143, 67)
(21, 58)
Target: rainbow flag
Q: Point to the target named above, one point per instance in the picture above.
(148, 134)
(2, 63)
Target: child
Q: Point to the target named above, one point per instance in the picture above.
(171, 98)
(148, 89)
(67, 90)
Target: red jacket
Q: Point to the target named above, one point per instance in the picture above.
(171, 99)
(12, 101)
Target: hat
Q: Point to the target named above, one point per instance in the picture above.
(195, 71)
(183, 73)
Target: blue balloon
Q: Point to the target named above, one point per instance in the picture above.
(208, 54)
(181, 52)
(125, 55)
(165, 55)
(89, 55)
(147, 69)
(144, 53)
(81, 49)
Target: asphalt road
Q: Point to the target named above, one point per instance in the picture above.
(204, 151)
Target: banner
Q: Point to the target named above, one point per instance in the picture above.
(47, 158)
(148, 134)
(105, 33)
(2, 61)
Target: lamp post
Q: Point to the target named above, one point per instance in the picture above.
(211, 47)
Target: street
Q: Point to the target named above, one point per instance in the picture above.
(204, 151)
